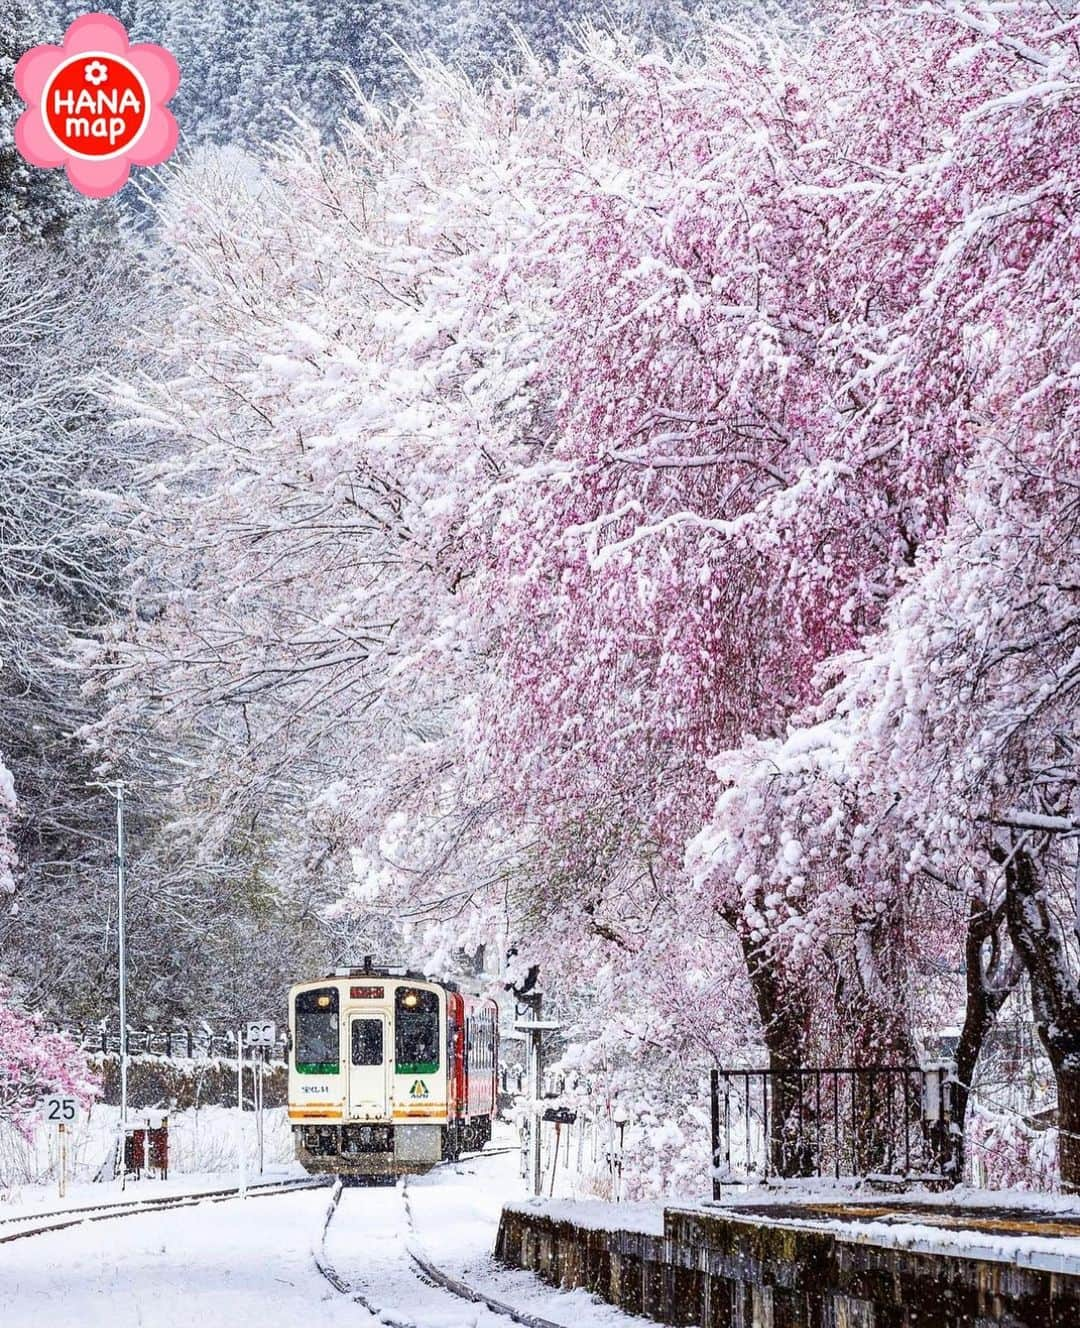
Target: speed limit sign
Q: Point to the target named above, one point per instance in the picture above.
(61, 1110)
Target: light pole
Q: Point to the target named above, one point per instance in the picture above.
(122, 938)
(117, 794)
(619, 1117)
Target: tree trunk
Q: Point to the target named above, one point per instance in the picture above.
(1036, 935)
(784, 1026)
(1068, 1086)
(989, 981)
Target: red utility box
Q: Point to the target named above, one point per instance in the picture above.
(146, 1148)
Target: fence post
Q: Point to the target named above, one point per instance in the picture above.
(714, 1105)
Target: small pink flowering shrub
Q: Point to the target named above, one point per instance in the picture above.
(1014, 1155)
(34, 1063)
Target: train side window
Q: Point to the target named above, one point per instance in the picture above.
(318, 1032)
(367, 1042)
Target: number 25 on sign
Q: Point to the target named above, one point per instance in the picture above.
(63, 1112)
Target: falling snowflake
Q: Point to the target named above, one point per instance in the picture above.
(96, 73)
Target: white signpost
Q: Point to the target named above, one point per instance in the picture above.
(260, 1034)
(63, 1112)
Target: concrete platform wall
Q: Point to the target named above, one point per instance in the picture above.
(723, 1272)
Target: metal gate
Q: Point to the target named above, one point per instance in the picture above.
(889, 1121)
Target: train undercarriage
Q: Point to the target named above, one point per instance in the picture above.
(384, 1150)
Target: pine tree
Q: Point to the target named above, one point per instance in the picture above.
(35, 204)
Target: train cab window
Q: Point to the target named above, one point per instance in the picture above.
(416, 1031)
(367, 1042)
(318, 1032)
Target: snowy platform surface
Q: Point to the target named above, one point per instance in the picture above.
(596, 1215)
(1034, 1231)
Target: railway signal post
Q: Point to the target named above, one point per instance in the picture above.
(535, 1028)
(261, 1034)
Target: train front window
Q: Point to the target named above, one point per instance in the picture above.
(367, 1042)
(416, 1031)
(318, 1032)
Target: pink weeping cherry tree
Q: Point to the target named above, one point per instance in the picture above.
(936, 780)
(742, 463)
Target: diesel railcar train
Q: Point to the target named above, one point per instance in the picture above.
(389, 1072)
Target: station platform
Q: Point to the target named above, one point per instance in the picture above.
(774, 1260)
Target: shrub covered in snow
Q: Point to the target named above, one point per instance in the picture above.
(1010, 1153)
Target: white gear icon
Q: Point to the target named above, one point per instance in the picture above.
(96, 73)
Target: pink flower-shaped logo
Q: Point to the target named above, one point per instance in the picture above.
(96, 105)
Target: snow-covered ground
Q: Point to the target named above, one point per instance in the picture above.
(237, 1263)
(253, 1261)
(455, 1215)
(202, 1155)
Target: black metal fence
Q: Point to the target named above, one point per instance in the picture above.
(189, 1043)
(882, 1120)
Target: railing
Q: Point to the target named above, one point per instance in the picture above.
(184, 1042)
(882, 1120)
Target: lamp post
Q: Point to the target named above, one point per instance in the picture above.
(117, 794)
(122, 945)
(619, 1118)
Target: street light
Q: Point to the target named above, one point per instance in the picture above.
(620, 1118)
(117, 794)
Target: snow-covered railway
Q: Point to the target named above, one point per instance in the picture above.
(40, 1224)
(388, 1272)
(208, 1257)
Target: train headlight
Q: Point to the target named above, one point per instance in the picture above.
(411, 1000)
(323, 1002)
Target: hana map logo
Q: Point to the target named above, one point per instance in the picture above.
(96, 105)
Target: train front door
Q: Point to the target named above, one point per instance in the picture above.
(368, 1069)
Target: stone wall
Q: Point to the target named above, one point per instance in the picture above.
(732, 1272)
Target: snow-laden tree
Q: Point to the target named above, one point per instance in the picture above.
(67, 316)
(34, 204)
(33, 1062)
(541, 449)
(346, 382)
(60, 574)
(935, 783)
(726, 502)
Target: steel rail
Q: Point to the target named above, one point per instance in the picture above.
(421, 1266)
(73, 1217)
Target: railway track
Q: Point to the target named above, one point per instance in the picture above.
(63, 1218)
(419, 1267)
